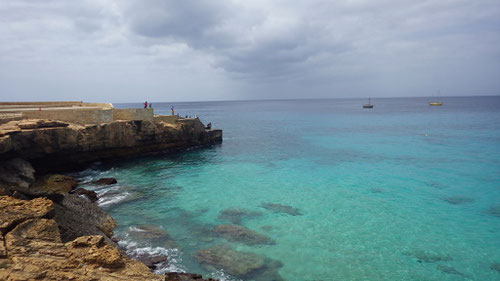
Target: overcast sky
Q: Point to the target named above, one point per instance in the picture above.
(194, 50)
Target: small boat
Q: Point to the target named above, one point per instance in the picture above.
(369, 104)
(436, 102)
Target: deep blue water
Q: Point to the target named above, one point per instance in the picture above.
(403, 191)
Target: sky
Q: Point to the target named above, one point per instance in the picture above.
(201, 50)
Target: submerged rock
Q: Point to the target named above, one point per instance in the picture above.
(278, 208)
(426, 256)
(148, 232)
(235, 215)
(248, 266)
(105, 181)
(242, 234)
(495, 266)
(457, 200)
(449, 270)
(376, 190)
(493, 210)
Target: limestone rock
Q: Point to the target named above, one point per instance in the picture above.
(278, 208)
(55, 183)
(53, 146)
(78, 217)
(242, 234)
(14, 211)
(105, 181)
(16, 172)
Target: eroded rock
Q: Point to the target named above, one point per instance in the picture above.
(105, 181)
(278, 208)
(55, 183)
(90, 194)
(14, 211)
(235, 215)
(242, 234)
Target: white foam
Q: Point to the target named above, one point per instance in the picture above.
(106, 201)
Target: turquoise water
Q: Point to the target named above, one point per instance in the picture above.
(370, 185)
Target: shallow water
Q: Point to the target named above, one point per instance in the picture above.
(403, 191)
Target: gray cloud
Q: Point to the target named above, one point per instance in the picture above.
(208, 49)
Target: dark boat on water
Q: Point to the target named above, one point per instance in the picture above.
(369, 104)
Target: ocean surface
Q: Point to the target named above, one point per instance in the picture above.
(403, 191)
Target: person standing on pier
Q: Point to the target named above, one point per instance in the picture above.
(172, 109)
(145, 104)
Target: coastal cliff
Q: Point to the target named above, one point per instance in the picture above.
(54, 145)
(47, 230)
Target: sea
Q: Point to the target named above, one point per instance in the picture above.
(403, 191)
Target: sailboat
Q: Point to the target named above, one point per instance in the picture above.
(369, 104)
(436, 102)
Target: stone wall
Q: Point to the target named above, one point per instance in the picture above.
(135, 114)
(77, 116)
(170, 119)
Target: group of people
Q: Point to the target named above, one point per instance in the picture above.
(209, 125)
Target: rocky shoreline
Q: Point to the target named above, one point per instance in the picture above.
(51, 230)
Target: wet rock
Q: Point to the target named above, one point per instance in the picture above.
(180, 276)
(278, 208)
(14, 211)
(495, 266)
(231, 261)
(235, 215)
(493, 210)
(91, 195)
(77, 216)
(148, 232)
(16, 172)
(245, 265)
(242, 234)
(457, 200)
(426, 256)
(105, 181)
(449, 270)
(55, 183)
(151, 261)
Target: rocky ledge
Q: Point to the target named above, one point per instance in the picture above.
(55, 146)
(51, 231)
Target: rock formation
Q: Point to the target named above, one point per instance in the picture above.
(242, 234)
(55, 146)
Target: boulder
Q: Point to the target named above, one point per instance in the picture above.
(91, 195)
(105, 181)
(242, 234)
(278, 208)
(77, 217)
(16, 172)
(55, 183)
